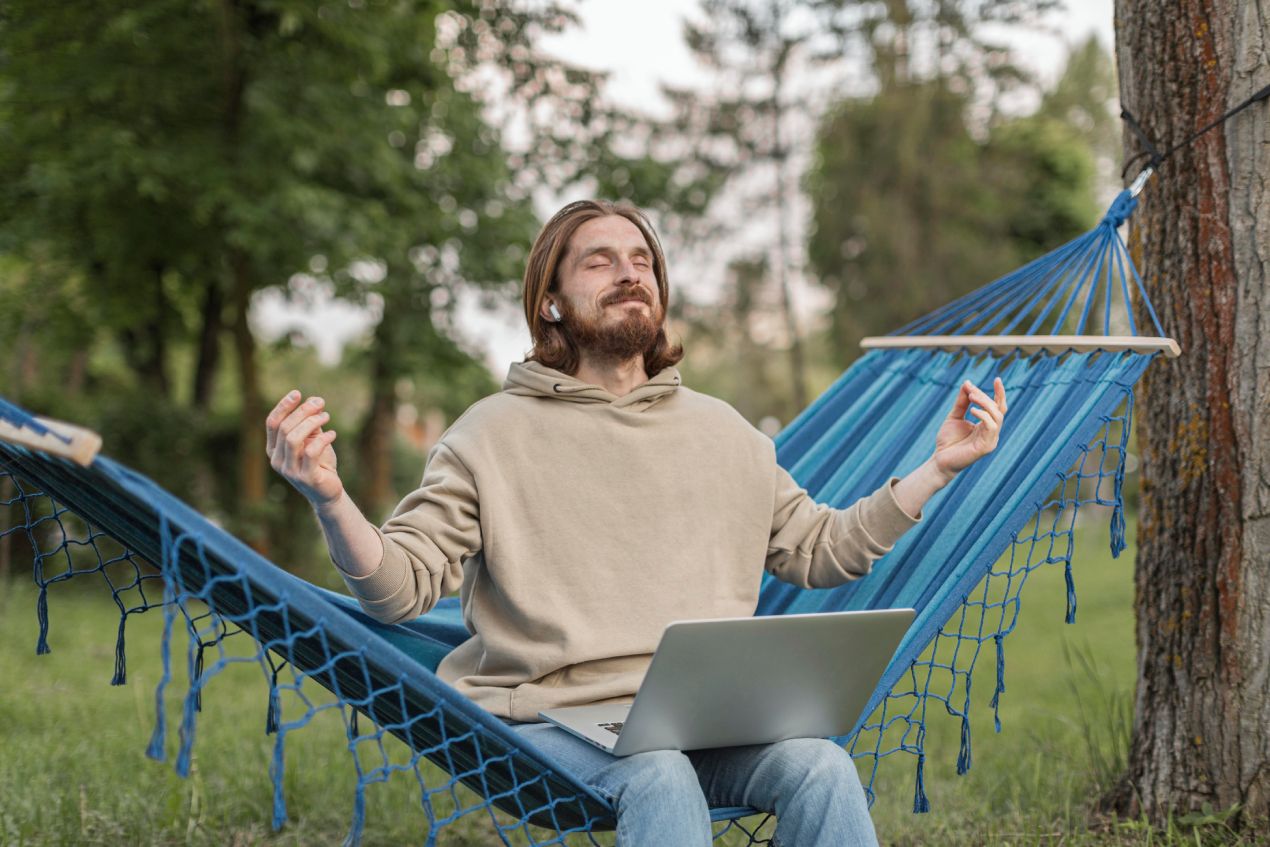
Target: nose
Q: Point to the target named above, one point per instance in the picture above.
(626, 272)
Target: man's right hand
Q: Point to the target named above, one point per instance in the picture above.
(300, 450)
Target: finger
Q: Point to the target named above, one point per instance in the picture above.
(276, 416)
(989, 421)
(319, 443)
(998, 394)
(300, 433)
(962, 402)
(983, 400)
(309, 407)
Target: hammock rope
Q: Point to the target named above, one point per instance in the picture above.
(963, 568)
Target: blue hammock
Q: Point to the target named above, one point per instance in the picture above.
(962, 568)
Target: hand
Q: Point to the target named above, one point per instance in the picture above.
(959, 442)
(300, 451)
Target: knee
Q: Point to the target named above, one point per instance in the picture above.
(661, 779)
(818, 762)
(670, 770)
(660, 801)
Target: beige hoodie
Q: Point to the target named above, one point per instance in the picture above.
(576, 525)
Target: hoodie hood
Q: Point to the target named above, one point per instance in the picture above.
(532, 379)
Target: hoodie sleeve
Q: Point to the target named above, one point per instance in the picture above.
(431, 532)
(816, 546)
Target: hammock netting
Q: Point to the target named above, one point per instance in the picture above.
(962, 568)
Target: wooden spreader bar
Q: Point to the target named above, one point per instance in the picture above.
(81, 449)
(1056, 344)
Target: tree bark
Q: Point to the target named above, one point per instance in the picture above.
(208, 345)
(1201, 734)
(251, 452)
(145, 347)
(374, 442)
(780, 155)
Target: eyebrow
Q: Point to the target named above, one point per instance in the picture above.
(604, 248)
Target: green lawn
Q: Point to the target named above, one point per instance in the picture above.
(73, 769)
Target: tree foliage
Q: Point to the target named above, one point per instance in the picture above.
(167, 162)
(915, 205)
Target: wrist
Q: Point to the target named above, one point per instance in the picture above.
(938, 476)
(325, 509)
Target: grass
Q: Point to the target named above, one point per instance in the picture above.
(73, 769)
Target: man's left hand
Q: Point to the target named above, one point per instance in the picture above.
(959, 442)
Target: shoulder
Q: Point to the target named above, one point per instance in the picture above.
(483, 418)
(721, 417)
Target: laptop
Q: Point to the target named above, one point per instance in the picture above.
(733, 681)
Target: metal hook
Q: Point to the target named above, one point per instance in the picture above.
(1141, 180)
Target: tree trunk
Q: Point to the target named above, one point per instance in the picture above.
(1201, 733)
(208, 345)
(374, 443)
(145, 347)
(375, 440)
(251, 428)
(798, 371)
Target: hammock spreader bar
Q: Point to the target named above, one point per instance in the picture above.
(1027, 344)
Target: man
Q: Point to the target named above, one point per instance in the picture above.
(595, 500)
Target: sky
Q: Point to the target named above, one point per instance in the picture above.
(613, 39)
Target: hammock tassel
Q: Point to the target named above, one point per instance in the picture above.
(42, 614)
(275, 706)
(1071, 593)
(354, 837)
(158, 737)
(191, 706)
(275, 774)
(1117, 514)
(1117, 527)
(963, 756)
(996, 695)
(921, 804)
(187, 734)
(121, 668)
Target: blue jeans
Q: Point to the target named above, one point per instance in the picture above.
(663, 797)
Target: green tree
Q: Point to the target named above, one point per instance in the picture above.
(911, 209)
(777, 66)
(168, 162)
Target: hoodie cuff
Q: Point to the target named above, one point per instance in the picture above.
(385, 580)
(882, 516)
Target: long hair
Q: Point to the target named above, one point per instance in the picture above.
(552, 346)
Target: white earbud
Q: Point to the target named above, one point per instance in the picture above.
(555, 313)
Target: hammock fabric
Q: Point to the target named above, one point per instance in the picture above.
(962, 568)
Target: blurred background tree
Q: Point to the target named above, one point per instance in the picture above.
(913, 204)
(166, 163)
(879, 157)
(169, 167)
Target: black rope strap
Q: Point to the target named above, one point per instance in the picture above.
(1156, 158)
(1153, 152)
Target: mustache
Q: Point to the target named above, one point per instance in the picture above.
(640, 294)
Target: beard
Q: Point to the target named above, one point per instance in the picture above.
(631, 336)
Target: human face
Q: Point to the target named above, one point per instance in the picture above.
(606, 276)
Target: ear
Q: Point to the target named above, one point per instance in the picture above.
(545, 311)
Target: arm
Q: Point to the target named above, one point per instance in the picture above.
(397, 572)
(815, 546)
(958, 444)
(355, 547)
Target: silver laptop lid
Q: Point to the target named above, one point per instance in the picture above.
(735, 681)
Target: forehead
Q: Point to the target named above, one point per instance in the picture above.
(609, 232)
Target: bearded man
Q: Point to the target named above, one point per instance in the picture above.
(594, 501)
